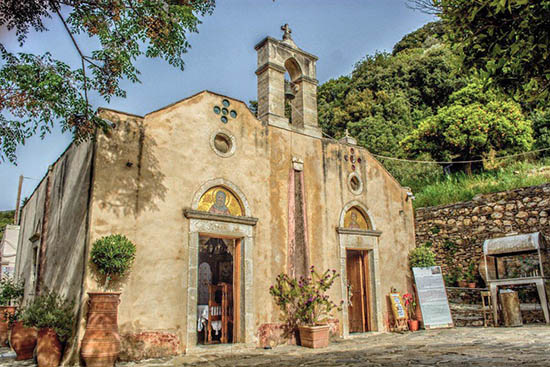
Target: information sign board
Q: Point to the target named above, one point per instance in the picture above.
(432, 297)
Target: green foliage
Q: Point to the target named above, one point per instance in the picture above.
(304, 301)
(49, 310)
(424, 37)
(541, 130)
(113, 256)
(386, 95)
(6, 217)
(37, 91)
(461, 187)
(11, 292)
(474, 124)
(504, 41)
(421, 257)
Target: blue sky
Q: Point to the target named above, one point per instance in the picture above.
(222, 59)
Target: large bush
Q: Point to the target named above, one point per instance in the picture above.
(113, 256)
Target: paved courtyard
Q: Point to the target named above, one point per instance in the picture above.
(525, 346)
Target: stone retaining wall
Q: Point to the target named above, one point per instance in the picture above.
(456, 232)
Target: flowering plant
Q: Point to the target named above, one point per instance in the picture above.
(410, 303)
(304, 301)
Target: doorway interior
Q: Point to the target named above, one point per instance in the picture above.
(357, 268)
(218, 290)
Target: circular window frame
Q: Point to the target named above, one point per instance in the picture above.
(350, 186)
(231, 139)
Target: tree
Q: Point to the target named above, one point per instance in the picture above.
(504, 41)
(475, 123)
(37, 91)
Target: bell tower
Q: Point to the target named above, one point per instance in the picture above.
(275, 58)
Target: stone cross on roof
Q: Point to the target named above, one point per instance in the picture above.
(287, 31)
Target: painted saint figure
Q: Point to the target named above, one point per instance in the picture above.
(219, 206)
(354, 224)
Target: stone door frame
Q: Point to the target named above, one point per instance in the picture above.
(221, 226)
(363, 240)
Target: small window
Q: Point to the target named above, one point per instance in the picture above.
(222, 143)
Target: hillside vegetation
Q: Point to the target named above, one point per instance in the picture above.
(418, 103)
(6, 218)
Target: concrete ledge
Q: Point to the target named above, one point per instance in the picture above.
(360, 232)
(196, 214)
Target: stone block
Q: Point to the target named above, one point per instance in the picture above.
(522, 214)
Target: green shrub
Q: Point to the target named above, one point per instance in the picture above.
(421, 257)
(113, 256)
(10, 291)
(49, 310)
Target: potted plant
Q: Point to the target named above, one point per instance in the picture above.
(22, 338)
(421, 257)
(306, 305)
(11, 293)
(112, 256)
(53, 316)
(471, 275)
(410, 303)
(462, 283)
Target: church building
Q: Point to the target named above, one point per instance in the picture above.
(219, 202)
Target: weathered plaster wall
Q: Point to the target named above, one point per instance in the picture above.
(457, 231)
(170, 158)
(8, 249)
(55, 217)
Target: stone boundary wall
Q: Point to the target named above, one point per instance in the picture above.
(456, 231)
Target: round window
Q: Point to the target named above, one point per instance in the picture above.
(355, 183)
(222, 143)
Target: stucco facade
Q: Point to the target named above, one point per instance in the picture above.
(146, 178)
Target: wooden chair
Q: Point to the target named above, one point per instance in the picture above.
(487, 307)
(220, 308)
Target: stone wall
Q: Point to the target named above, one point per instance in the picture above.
(456, 232)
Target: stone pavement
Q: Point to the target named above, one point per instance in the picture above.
(525, 346)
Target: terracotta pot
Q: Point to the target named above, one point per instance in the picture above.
(101, 342)
(23, 340)
(462, 283)
(413, 325)
(314, 336)
(471, 285)
(4, 326)
(48, 348)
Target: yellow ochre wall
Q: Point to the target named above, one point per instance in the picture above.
(148, 169)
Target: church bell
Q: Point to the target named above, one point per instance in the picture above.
(289, 91)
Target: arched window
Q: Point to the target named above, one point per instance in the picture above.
(220, 200)
(356, 219)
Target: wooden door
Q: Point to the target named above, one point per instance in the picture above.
(357, 273)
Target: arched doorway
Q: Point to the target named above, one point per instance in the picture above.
(221, 239)
(360, 276)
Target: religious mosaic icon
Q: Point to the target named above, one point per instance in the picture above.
(219, 200)
(354, 219)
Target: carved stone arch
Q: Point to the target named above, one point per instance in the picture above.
(362, 208)
(229, 186)
(294, 69)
